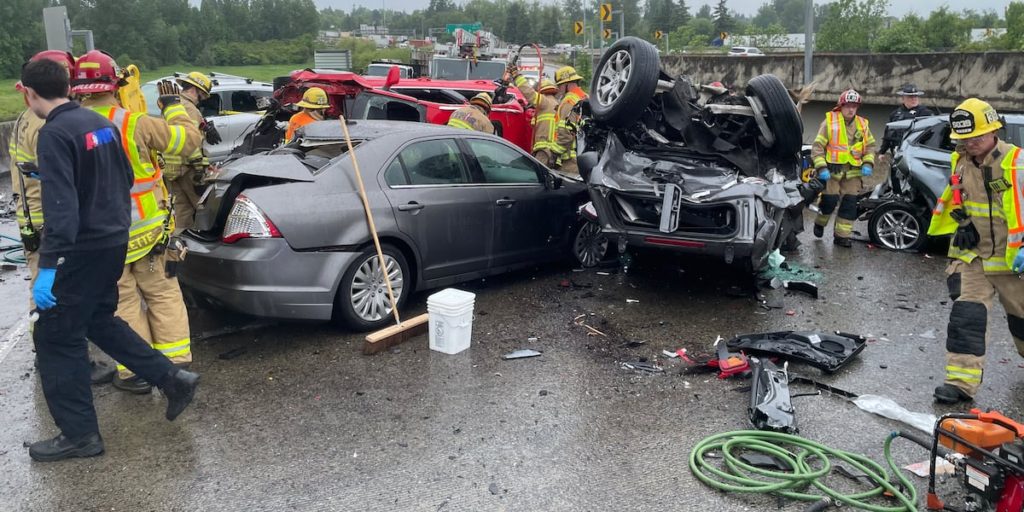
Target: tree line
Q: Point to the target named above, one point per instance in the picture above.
(154, 33)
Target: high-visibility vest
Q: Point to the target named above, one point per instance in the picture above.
(839, 150)
(1013, 198)
(149, 205)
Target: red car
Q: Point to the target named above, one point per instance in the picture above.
(410, 99)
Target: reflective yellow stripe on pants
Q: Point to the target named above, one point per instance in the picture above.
(964, 374)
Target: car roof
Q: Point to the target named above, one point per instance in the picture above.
(220, 80)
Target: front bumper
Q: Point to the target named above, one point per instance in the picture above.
(265, 277)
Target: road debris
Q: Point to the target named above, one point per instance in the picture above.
(827, 351)
(771, 407)
(802, 286)
(632, 301)
(521, 354)
(642, 366)
(233, 353)
(921, 469)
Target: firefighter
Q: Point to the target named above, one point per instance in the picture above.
(545, 124)
(842, 153)
(314, 107)
(27, 188)
(568, 116)
(152, 254)
(982, 209)
(474, 115)
(183, 172)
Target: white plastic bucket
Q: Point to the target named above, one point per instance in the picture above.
(451, 320)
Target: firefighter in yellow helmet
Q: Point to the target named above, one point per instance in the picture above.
(314, 106)
(183, 172)
(568, 116)
(545, 124)
(843, 152)
(982, 209)
(152, 254)
(474, 115)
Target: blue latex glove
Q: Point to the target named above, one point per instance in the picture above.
(42, 290)
(823, 174)
(1018, 262)
(866, 170)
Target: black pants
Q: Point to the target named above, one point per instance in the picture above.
(86, 290)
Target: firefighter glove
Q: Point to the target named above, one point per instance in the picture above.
(42, 289)
(824, 174)
(867, 170)
(212, 135)
(168, 88)
(167, 100)
(1018, 262)
(960, 216)
(966, 237)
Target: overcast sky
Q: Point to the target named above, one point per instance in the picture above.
(749, 7)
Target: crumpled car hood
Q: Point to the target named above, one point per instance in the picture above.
(701, 181)
(285, 167)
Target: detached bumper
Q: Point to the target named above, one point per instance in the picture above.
(265, 277)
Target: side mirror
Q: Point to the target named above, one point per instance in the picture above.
(392, 77)
(553, 181)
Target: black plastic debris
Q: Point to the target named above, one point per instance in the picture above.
(803, 286)
(761, 460)
(828, 352)
(771, 407)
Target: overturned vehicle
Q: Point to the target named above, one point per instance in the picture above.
(695, 169)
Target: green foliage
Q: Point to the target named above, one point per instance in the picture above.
(772, 36)
(698, 32)
(723, 20)
(945, 30)
(904, 36)
(256, 53)
(20, 36)
(364, 52)
(851, 25)
(1015, 26)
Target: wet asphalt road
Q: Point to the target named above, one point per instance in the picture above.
(294, 417)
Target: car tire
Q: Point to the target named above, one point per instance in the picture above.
(782, 117)
(362, 300)
(898, 226)
(617, 99)
(589, 244)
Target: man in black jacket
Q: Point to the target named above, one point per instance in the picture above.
(910, 108)
(86, 183)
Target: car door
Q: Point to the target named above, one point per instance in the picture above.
(527, 216)
(436, 204)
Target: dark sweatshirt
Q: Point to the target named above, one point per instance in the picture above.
(87, 182)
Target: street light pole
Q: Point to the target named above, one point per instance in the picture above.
(809, 42)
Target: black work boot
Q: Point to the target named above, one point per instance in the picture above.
(60, 448)
(101, 373)
(179, 387)
(842, 241)
(950, 394)
(819, 231)
(134, 384)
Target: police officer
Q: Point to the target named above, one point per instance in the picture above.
(545, 125)
(910, 108)
(842, 153)
(982, 209)
(152, 257)
(474, 115)
(570, 94)
(81, 257)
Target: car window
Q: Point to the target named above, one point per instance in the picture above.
(211, 106)
(247, 101)
(937, 137)
(1015, 134)
(501, 164)
(433, 162)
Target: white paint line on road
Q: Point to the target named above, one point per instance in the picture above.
(13, 336)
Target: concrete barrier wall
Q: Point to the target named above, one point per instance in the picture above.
(947, 78)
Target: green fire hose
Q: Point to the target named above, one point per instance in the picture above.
(735, 475)
(12, 253)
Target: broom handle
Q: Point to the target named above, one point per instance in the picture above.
(369, 219)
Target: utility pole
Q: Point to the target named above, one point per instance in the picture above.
(585, 28)
(809, 42)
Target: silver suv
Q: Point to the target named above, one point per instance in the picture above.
(233, 107)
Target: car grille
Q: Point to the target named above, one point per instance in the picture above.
(645, 212)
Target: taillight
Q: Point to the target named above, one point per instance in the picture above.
(247, 221)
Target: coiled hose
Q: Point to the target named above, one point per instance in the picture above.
(738, 476)
(13, 253)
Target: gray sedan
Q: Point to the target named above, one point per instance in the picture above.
(283, 234)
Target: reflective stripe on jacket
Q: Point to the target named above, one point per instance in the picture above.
(832, 145)
(1001, 258)
(23, 149)
(568, 124)
(471, 117)
(545, 120)
(175, 162)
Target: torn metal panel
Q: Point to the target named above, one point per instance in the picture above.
(828, 352)
(771, 407)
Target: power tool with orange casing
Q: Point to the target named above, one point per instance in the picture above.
(987, 453)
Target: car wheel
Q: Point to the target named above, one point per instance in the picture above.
(782, 117)
(625, 81)
(898, 227)
(589, 245)
(362, 302)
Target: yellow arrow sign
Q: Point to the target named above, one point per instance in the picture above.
(606, 12)
(657, 34)
(607, 33)
(577, 27)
